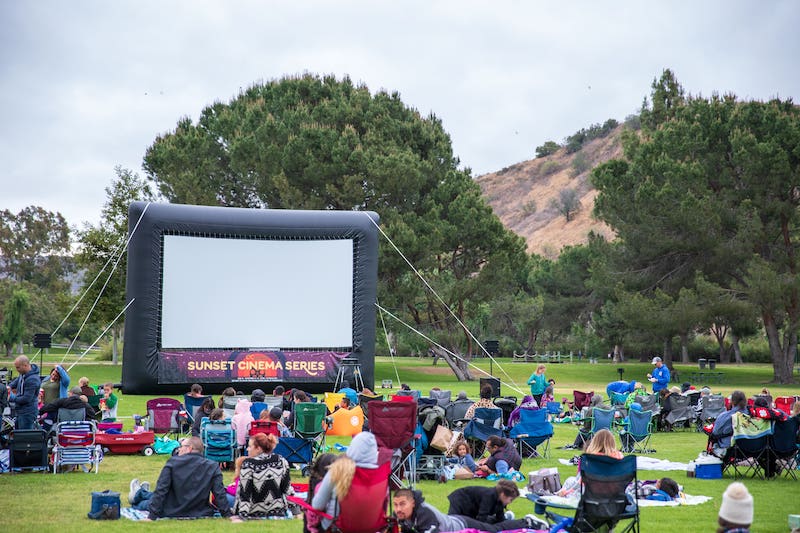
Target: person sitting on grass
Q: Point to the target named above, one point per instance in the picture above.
(736, 510)
(264, 481)
(184, 486)
(503, 456)
(462, 456)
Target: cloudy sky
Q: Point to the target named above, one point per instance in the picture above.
(88, 85)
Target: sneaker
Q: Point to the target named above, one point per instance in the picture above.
(134, 488)
(535, 522)
(509, 515)
(146, 486)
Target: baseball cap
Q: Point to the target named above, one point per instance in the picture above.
(656, 360)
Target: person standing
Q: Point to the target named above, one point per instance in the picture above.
(24, 391)
(56, 385)
(538, 383)
(108, 403)
(660, 375)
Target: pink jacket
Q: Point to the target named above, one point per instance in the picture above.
(241, 421)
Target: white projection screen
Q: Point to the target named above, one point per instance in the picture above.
(249, 298)
(226, 292)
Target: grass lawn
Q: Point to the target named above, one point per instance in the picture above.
(47, 502)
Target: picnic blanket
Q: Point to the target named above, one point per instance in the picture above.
(685, 499)
(133, 514)
(648, 463)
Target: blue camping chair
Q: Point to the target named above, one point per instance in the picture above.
(219, 440)
(192, 404)
(532, 430)
(487, 421)
(601, 419)
(635, 437)
(604, 502)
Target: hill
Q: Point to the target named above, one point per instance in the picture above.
(521, 195)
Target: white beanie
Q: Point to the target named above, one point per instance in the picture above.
(737, 505)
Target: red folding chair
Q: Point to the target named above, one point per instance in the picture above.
(364, 509)
(394, 425)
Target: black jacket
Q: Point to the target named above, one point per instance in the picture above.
(184, 486)
(428, 519)
(70, 402)
(480, 503)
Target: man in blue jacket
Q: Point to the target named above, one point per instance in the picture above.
(660, 376)
(25, 392)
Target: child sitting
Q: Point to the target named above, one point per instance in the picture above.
(462, 456)
(315, 474)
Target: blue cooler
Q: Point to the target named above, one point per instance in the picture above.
(708, 471)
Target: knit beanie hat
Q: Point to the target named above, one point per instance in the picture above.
(737, 505)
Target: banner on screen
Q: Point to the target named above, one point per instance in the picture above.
(217, 366)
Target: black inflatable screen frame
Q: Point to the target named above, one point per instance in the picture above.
(149, 222)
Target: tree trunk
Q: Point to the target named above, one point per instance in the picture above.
(737, 350)
(619, 354)
(782, 350)
(459, 366)
(114, 341)
(684, 347)
(668, 352)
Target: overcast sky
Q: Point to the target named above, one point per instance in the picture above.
(88, 85)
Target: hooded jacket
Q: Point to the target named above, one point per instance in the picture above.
(63, 383)
(363, 450)
(70, 402)
(428, 519)
(241, 420)
(27, 387)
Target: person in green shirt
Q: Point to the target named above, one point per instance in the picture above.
(538, 383)
(108, 403)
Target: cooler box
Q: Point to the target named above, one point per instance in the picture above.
(708, 471)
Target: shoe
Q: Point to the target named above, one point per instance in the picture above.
(509, 515)
(535, 522)
(134, 488)
(146, 486)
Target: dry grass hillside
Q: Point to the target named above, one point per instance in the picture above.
(521, 195)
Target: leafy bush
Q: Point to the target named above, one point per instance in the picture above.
(550, 167)
(633, 122)
(580, 164)
(529, 208)
(575, 142)
(548, 148)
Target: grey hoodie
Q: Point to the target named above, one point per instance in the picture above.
(363, 450)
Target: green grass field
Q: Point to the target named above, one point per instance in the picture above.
(47, 502)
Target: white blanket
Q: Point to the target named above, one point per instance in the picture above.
(685, 499)
(649, 463)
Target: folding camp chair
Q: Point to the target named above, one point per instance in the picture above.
(267, 427)
(601, 419)
(749, 451)
(75, 444)
(309, 423)
(162, 416)
(553, 409)
(94, 403)
(678, 411)
(442, 397)
(635, 437)
(229, 404)
(649, 402)
(394, 425)
(486, 422)
(192, 404)
(711, 407)
(532, 430)
(456, 411)
(581, 399)
(27, 450)
(783, 446)
(219, 440)
(365, 507)
(363, 401)
(604, 502)
(268, 403)
(296, 451)
(414, 394)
